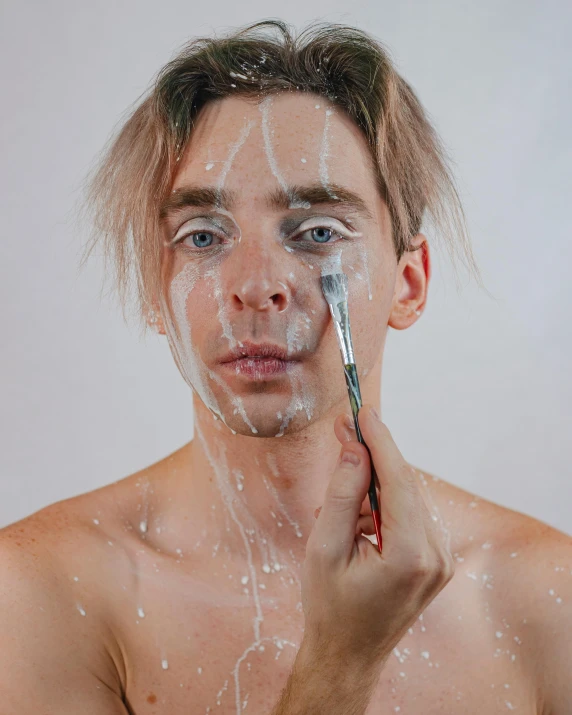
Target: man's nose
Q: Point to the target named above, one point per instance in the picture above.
(258, 284)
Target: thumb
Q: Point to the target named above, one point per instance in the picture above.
(336, 524)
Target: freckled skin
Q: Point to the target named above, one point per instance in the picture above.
(216, 570)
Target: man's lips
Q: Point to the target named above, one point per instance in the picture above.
(249, 349)
(259, 361)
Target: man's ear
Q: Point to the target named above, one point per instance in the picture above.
(411, 283)
(154, 318)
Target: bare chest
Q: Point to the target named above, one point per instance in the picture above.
(195, 647)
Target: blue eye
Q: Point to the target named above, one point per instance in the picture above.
(321, 234)
(202, 239)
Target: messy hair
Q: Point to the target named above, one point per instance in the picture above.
(346, 65)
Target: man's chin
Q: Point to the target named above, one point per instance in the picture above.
(266, 410)
(275, 424)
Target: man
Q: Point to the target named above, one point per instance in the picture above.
(209, 581)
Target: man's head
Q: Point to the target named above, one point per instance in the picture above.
(255, 165)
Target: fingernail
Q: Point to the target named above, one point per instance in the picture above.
(350, 458)
(375, 414)
(349, 423)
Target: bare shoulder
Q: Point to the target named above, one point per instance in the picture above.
(537, 590)
(58, 650)
(523, 569)
(528, 567)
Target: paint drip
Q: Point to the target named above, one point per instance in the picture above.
(324, 155)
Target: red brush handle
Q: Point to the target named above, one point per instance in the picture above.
(377, 524)
(375, 511)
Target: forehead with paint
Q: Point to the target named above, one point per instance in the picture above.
(268, 196)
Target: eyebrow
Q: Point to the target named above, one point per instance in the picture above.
(281, 199)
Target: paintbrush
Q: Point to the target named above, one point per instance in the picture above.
(335, 290)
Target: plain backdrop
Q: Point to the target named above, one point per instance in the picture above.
(478, 392)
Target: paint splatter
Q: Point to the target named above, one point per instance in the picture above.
(324, 155)
(234, 149)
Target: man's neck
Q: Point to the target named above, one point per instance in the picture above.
(265, 490)
(269, 485)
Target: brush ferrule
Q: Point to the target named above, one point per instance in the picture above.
(341, 319)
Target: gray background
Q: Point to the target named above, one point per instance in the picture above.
(478, 392)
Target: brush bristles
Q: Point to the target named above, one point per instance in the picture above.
(335, 288)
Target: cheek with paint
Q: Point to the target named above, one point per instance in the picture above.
(178, 328)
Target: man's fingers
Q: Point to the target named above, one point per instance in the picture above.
(399, 491)
(336, 524)
(345, 432)
(344, 429)
(365, 525)
(365, 509)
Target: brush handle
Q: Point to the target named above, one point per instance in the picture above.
(350, 371)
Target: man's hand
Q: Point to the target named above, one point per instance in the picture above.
(358, 603)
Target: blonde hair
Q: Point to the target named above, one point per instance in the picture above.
(344, 64)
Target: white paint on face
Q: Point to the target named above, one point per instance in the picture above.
(234, 149)
(235, 400)
(332, 263)
(239, 476)
(298, 333)
(190, 365)
(267, 133)
(214, 274)
(299, 330)
(365, 262)
(324, 154)
(272, 465)
(302, 400)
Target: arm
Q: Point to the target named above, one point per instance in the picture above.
(320, 684)
(46, 646)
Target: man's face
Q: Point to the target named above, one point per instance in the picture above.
(245, 276)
